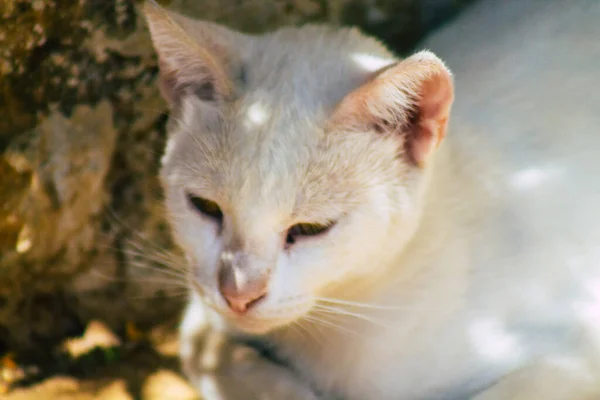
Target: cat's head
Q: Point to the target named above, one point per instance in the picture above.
(296, 161)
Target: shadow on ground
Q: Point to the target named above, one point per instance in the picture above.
(110, 368)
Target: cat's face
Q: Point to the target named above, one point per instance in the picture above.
(303, 208)
(293, 182)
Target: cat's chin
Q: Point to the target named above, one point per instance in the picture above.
(256, 326)
(265, 319)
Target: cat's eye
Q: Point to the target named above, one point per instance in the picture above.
(305, 229)
(206, 207)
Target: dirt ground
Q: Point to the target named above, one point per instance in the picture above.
(100, 366)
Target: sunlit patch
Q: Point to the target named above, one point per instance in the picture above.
(209, 388)
(240, 277)
(370, 62)
(24, 241)
(165, 384)
(257, 114)
(589, 308)
(168, 152)
(492, 341)
(532, 177)
(96, 336)
(195, 323)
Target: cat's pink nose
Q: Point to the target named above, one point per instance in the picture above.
(239, 293)
(240, 303)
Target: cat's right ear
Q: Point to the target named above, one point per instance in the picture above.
(410, 100)
(196, 58)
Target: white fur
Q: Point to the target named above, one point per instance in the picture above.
(474, 277)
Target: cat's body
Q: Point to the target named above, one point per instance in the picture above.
(473, 269)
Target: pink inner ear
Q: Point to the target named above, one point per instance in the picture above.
(431, 122)
(411, 99)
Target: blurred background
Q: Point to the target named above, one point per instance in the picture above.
(85, 310)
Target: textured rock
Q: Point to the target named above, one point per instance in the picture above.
(82, 233)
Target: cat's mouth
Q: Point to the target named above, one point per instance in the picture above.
(256, 325)
(266, 320)
(262, 318)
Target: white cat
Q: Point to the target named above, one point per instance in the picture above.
(326, 216)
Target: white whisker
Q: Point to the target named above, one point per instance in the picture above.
(164, 271)
(332, 325)
(169, 295)
(372, 306)
(343, 312)
(307, 330)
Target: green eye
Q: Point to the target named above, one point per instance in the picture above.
(306, 229)
(206, 207)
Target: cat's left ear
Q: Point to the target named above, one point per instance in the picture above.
(411, 99)
(196, 58)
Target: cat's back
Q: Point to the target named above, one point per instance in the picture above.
(518, 195)
(527, 75)
(526, 125)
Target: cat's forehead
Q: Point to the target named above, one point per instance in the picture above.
(312, 66)
(260, 149)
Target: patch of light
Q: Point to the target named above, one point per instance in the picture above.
(194, 323)
(588, 309)
(209, 388)
(532, 177)
(492, 341)
(257, 114)
(370, 62)
(163, 384)
(24, 240)
(169, 149)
